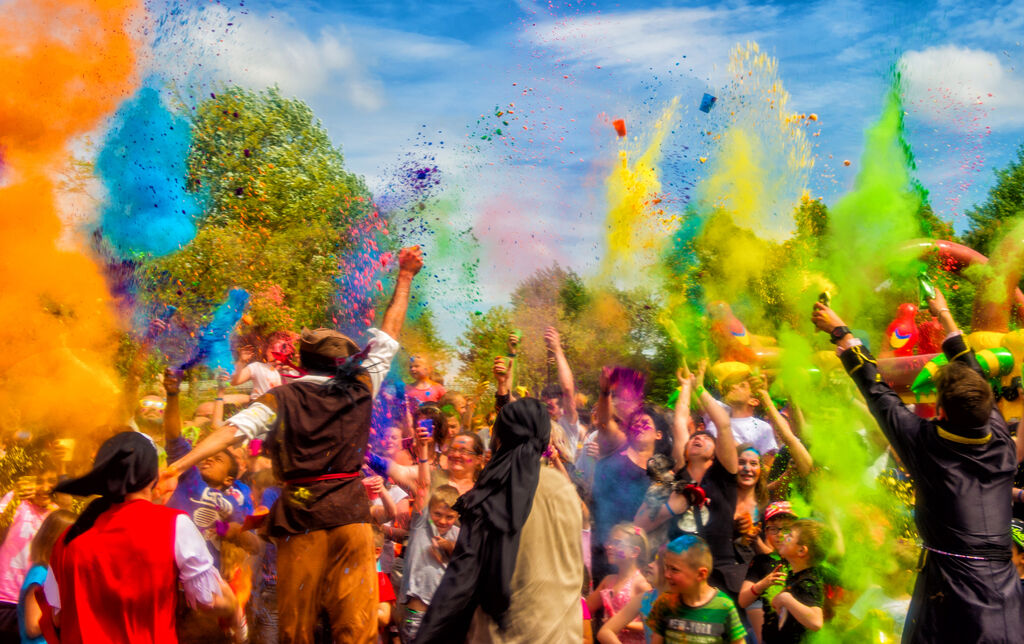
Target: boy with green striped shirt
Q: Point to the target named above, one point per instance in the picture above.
(692, 612)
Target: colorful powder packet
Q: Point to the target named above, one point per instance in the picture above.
(707, 102)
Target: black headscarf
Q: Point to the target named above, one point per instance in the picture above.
(125, 463)
(492, 515)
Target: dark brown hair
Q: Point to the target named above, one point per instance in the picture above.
(964, 395)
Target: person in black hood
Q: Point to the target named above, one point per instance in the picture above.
(517, 568)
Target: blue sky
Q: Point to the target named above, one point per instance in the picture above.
(399, 81)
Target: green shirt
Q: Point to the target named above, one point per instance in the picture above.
(715, 622)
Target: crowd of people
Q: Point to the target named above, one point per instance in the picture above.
(327, 504)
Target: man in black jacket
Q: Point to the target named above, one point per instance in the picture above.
(962, 463)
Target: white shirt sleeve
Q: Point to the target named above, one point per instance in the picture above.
(253, 422)
(195, 564)
(378, 361)
(51, 590)
(766, 443)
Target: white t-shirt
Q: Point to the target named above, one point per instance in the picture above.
(264, 378)
(749, 430)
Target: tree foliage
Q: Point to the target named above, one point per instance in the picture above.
(598, 327)
(279, 203)
(991, 220)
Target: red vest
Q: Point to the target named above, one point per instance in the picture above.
(118, 580)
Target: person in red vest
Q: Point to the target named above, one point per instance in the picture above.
(114, 573)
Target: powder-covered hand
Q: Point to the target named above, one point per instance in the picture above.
(410, 260)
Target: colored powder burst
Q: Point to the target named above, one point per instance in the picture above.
(214, 344)
(66, 64)
(869, 522)
(763, 159)
(759, 164)
(637, 225)
(869, 225)
(360, 271)
(142, 165)
(759, 167)
(442, 228)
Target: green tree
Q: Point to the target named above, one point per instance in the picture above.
(485, 337)
(990, 221)
(280, 202)
(598, 327)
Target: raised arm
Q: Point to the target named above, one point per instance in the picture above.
(938, 307)
(725, 443)
(217, 419)
(899, 424)
(242, 372)
(387, 510)
(410, 261)
(609, 436)
(503, 382)
(681, 416)
(801, 457)
(252, 422)
(554, 343)
(954, 345)
(172, 410)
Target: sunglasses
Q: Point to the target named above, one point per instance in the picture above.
(152, 404)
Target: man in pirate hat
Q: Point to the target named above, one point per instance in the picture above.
(963, 463)
(316, 430)
(114, 573)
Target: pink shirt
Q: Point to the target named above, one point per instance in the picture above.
(14, 563)
(430, 394)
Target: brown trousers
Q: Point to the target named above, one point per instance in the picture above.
(332, 571)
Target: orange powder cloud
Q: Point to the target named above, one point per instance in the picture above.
(66, 65)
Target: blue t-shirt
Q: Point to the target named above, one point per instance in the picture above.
(35, 577)
(619, 490)
(206, 505)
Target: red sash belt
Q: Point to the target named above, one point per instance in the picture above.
(323, 477)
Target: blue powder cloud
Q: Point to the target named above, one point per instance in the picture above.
(143, 168)
(214, 346)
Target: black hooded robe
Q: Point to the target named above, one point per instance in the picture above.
(967, 589)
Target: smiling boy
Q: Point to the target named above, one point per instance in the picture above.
(692, 612)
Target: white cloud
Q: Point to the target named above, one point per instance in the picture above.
(639, 40)
(213, 44)
(942, 84)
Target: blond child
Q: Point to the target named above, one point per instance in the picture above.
(627, 552)
(431, 543)
(639, 605)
